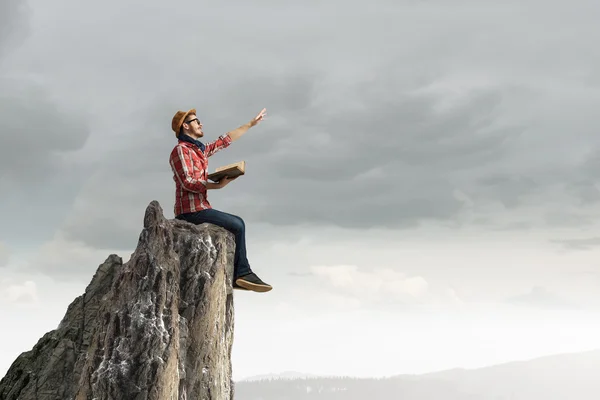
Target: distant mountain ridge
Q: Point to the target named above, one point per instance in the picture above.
(281, 375)
(570, 376)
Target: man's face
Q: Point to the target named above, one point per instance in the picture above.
(192, 126)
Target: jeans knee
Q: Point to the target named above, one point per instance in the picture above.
(235, 224)
(241, 223)
(238, 224)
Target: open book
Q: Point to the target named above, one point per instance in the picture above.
(231, 171)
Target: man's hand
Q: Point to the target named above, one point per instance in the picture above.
(261, 115)
(223, 182)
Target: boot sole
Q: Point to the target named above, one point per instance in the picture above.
(253, 286)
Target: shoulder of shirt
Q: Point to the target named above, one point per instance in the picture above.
(177, 147)
(182, 144)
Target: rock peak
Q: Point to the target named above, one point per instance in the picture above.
(154, 215)
(159, 326)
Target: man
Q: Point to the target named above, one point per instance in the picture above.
(189, 162)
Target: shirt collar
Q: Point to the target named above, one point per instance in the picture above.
(186, 138)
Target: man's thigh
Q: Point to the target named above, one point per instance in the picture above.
(215, 217)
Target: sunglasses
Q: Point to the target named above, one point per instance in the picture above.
(192, 120)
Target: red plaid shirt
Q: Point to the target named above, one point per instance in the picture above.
(190, 170)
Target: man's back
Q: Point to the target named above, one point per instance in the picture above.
(189, 166)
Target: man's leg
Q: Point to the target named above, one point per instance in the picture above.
(243, 275)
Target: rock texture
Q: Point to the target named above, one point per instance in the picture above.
(158, 327)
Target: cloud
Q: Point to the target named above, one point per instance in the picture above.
(37, 134)
(38, 167)
(15, 293)
(541, 297)
(4, 255)
(40, 133)
(108, 212)
(67, 260)
(309, 157)
(446, 129)
(579, 244)
(354, 286)
(385, 281)
(12, 27)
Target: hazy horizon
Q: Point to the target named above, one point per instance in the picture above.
(294, 375)
(560, 377)
(422, 196)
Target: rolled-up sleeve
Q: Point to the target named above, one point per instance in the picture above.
(183, 167)
(220, 143)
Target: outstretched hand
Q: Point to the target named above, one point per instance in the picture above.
(261, 115)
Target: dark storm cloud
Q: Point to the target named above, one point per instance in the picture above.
(508, 189)
(392, 160)
(35, 132)
(583, 182)
(13, 24)
(388, 162)
(361, 132)
(36, 135)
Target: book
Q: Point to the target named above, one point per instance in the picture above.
(230, 171)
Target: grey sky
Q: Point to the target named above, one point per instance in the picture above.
(446, 154)
(365, 125)
(4, 255)
(13, 24)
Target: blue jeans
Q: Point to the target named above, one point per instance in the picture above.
(233, 224)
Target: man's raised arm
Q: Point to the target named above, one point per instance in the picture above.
(239, 132)
(225, 140)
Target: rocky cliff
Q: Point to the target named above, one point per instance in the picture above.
(159, 326)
